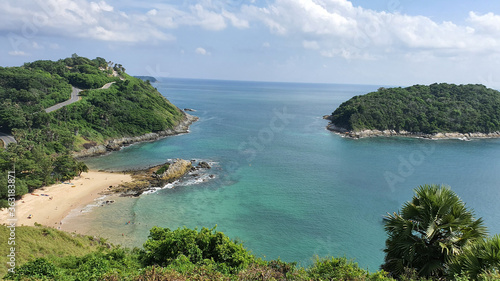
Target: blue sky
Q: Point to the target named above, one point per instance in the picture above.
(381, 42)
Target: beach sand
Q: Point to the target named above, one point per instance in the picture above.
(65, 197)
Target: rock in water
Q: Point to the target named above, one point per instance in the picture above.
(203, 165)
(176, 170)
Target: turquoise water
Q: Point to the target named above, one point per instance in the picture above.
(286, 186)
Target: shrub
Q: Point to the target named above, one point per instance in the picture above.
(39, 269)
(165, 246)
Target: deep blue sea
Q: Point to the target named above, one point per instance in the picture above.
(285, 185)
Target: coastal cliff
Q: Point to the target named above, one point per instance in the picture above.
(117, 144)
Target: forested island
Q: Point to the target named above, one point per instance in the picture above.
(126, 110)
(434, 111)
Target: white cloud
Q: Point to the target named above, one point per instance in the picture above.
(332, 28)
(487, 23)
(235, 21)
(101, 7)
(17, 53)
(152, 12)
(78, 18)
(202, 51)
(207, 19)
(336, 28)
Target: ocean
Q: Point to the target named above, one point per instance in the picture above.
(284, 185)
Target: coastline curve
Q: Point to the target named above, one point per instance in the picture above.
(117, 144)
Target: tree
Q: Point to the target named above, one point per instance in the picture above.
(430, 229)
(81, 168)
(482, 257)
(164, 246)
(65, 167)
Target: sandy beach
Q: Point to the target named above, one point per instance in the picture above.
(62, 198)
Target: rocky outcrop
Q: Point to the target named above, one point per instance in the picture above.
(387, 133)
(116, 144)
(159, 176)
(174, 171)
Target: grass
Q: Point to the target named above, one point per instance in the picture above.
(40, 241)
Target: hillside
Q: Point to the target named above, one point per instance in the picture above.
(46, 142)
(437, 108)
(37, 242)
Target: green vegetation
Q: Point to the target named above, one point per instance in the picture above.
(78, 71)
(428, 231)
(42, 156)
(478, 260)
(162, 169)
(423, 109)
(182, 254)
(129, 108)
(165, 246)
(43, 242)
(433, 237)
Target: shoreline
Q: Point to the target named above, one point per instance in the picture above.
(63, 199)
(392, 133)
(117, 144)
(59, 200)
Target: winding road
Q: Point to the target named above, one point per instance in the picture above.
(74, 98)
(7, 139)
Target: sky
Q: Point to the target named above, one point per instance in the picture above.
(377, 42)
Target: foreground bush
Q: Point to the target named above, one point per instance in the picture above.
(165, 246)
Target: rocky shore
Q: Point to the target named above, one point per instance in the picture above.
(388, 133)
(158, 176)
(117, 144)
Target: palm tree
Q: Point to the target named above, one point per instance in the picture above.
(481, 257)
(434, 226)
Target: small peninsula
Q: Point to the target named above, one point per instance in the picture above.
(147, 78)
(434, 111)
